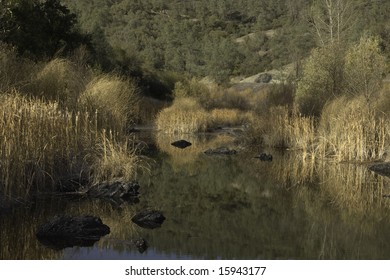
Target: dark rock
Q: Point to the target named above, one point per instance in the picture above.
(68, 231)
(114, 190)
(72, 183)
(182, 144)
(141, 245)
(149, 219)
(133, 130)
(264, 78)
(220, 151)
(381, 168)
(264, 157)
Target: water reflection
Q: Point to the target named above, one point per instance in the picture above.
(229, 207)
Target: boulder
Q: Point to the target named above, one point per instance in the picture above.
(220, 151)
(182, 144)
(264, 78)
(264, 157)
(68, 231)
(148, 219)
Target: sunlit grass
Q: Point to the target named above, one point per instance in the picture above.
(184, 116)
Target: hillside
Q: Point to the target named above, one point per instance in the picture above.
(215, 38)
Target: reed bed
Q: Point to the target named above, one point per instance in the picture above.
(352, 130)
(283, 128)
(42, 144)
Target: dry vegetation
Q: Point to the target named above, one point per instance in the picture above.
(60, 121)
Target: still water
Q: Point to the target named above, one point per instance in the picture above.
(225, 207)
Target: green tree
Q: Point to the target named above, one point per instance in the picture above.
(364, 68)
(41, 29)
(322, 79)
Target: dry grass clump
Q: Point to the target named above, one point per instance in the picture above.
(184, 116)
(113, 98)
(115, 159)
(230, 117)
(351, 131)
(59, 80)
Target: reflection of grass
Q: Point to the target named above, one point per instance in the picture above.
(191, 153)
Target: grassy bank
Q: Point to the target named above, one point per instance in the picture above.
(63, 121)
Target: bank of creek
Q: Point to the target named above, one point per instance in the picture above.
(232, 206)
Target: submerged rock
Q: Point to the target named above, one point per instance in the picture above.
(68, 231)
(264, 157)
(141, 245)
(220, 151)
(117, 190)
(149, 219)
(182, 144)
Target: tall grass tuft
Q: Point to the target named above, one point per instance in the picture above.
(115, 159)
(184, 116)
(114, 100)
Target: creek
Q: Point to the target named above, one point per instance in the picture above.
(225, 207)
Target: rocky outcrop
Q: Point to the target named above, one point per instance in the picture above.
(264, 157)
(148, 219)
(220, 151)
(264, 78)
(182, 144)
(68, 231)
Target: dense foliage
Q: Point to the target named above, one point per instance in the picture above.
(219, 38)
(40, 29)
